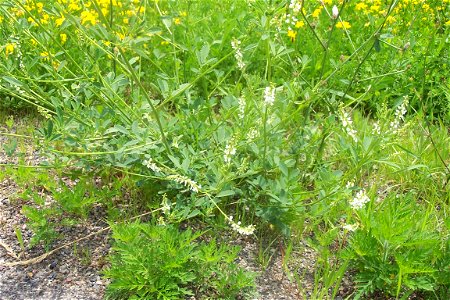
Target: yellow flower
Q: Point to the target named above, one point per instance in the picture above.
(45, 55)
(317, 12)
(59, 21)
(9, 48)
(88, 17)
(34, 42)
(292, 34)
(105, 11)
(125, 20)
(63, 38)
(183, 14)
(45, 18)
(55, 64)
(375, 8)
(343, 24)
(328, 2)
(73, 6)
(299, 24)
(361, 6)
(20, 13)
(39, 6)
(1, 19)
(177, 21)
(31, 21)
(447, 23)
(120, 35)
(390, 19)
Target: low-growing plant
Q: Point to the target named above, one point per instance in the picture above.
(398, 247)
(160, 262)
(277, 113)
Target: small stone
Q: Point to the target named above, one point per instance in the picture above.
(53, 264)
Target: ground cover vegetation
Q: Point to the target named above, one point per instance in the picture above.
(325, 121)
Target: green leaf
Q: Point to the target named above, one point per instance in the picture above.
(225, 193)
(202, 55)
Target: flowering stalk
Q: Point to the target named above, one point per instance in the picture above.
(237, 53)
(399, 115)
(359, 200)
(187, 182)
(347, 123)
(230, 150)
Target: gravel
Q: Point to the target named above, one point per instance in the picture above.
(75, 271)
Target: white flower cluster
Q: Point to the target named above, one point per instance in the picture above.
(230, 150)
(151, 165)
(349, 185)
(269, 95)
(359, 200)
(187, 182)
(350, 227)
(376, 129)
(291, 20)
(248, 230)
(165, 205)
(242, 105)
(399, 115)
(44, 112)
(235, 44)
(296, 6)
(252, 134)
(347, 122)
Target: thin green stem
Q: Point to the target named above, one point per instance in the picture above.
(137, 80)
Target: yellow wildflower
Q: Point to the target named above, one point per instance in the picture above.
(45, 18)
(299, 24)
(361, 6)
(316, 12)
(292, 34)
(73, 6)
(55, 65)
(120, 35)
(447, 23)
(390, 19)
(375, 8)
(177, 21)
(40, 6)
(63, 38)
(183, 14)
(19, 13)
(343, 24)
(59, 21)
(88, 17)
(9, 48)
(34, 42)
(45, 55)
